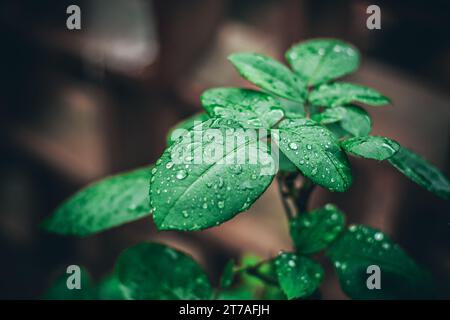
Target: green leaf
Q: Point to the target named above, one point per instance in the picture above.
(330, 115)
(371, 147)
(180, 129)
(315, 151)
(320, 60)
(235, 294)
(356, 121)
(314, 231)
(228, 275)
(252, 109)
(421, 172)
(298, 276)
(360, 247)
(213, 173)
(156, 272)
(340, 93)
(286, 165)
(107, 203)
(269, 75)
(60, 291)
(110, 288)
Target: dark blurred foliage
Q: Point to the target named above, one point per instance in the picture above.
(78, 105)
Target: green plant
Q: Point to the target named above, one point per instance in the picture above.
(315, 122)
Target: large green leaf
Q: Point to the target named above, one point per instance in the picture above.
(371, 147)
(421, 172)
(252, 109)
(214, 172)
(156, 272)
(104, 204)
(269, 75)
(340, 93)
(320, 60)
(180, 128)
(360, 247)
(314, 231)
(315, 151)
(298, 276)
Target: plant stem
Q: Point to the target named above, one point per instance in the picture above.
(293, 191)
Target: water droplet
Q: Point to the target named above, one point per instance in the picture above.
(291, 263)
(293, 146)
(169, 165)
(154, 170)
(205, 206)
(378, 236)
(185, 214)
(308, 146)
(221, 204)
(181, 174)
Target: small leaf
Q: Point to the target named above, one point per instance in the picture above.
(298, 276)
(214, 172)
(156, 272)
(340, 93)
(269, 75)
(320, 60)
(421, 172)
(315, 151)
(286, 165)
(314, 231)
(356, 121)
(371, 147)
(107, 203)
(180, 128)
(360, 247)
(228, 275)
(60, 291)
(252, 109)
(330, 115)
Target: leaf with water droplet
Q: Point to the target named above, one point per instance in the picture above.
(330, 115)
(318, 154)
(180, 128)
(206, 190)
(155, 271)
(360, 247)
(314, 231)
(340, 93)
(269, 75)
(371, 147)
(320, 60)
(297, 275)
(421, 172)
(252, 109)
(354, 120)
(104, 204)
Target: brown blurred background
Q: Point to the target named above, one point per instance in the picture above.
(78, 105)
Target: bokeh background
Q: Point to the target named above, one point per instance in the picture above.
(78, 105)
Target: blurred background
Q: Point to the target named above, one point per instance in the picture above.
(78, 105)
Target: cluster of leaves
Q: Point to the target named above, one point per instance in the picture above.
(316, 122)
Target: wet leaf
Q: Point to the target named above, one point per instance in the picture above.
(298, 276)
(315, 151)
(180, 128)
(360, 247)
(252, 109)
(213, 173)
(340, 93)
(315, 230)
(107, 203)
(421, 172)
(371, 147)
(269, 75)
(320, 60)
(156, 272)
